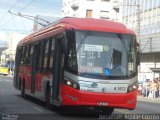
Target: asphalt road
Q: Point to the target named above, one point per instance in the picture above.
(14, 107)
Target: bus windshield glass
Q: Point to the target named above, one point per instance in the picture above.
(101, 55)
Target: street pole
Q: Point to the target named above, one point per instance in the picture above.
(10, 71)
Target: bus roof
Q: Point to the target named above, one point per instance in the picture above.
(78, 24)
(95, 25)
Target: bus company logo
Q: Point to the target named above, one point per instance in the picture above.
(94, 85)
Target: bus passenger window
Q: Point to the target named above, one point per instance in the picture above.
(30, 54)
(51, 55)
(45, 55)
(23, 56)
(18, 56)
(27, 55)
(40, 46)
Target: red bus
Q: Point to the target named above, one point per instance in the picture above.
(79, 62)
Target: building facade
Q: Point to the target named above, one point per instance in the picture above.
(147, 18)
(143, 16)
(104, 9)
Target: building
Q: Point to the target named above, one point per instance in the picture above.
(147, 18)
(143, 16)
(104, 9)
(9, 53)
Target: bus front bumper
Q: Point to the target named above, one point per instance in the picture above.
(74, 97)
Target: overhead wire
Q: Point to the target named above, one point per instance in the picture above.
(23, 24)
(6, 22)
(14, 23)
(28, 4)
(5, 14)
(23, 10)
(18, 30)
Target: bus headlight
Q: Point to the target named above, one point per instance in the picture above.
(132, 87)
(72, 84)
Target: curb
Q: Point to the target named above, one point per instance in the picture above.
(8, 76)
(149, 100)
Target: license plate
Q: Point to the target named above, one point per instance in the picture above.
(102, 103)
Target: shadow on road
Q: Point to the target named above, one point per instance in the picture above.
(66, 112)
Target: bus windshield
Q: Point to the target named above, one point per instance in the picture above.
(101, 55)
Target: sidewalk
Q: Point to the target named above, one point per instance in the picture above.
(10, 76)
(148, 99)
(7, 76)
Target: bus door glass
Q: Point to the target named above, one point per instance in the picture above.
(58, 65)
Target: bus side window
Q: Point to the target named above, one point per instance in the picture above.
(45, 56)
(26, 57)
(18, 56)
(30, 55)
(23, 55)
(40, 47)
(51, 55)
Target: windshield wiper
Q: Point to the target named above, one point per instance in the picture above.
(123, 43)
(82, 41)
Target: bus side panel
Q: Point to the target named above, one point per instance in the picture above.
(25, 73)
(41, 81)
(38, 81)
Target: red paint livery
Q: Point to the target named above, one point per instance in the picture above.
(47, 57)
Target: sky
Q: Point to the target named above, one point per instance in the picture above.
(10, 23)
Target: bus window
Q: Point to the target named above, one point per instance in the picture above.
(49, 54)
(30, 54)
(23, 55)
(39, 56)
(19, 56)
(52, 54)
(38, 66)
(27, 55)
(45, 56)
(42, 55)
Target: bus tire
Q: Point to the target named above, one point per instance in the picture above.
(47, 96)
(23, 89)
(104, 110)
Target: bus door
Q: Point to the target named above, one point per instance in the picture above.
(57, 75)
(34, 66)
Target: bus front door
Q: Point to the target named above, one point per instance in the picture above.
(57, 75)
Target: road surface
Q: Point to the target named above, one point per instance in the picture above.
(13, 106)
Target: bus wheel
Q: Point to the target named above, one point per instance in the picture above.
(23, 89)
(47, 97)
(104, 110)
